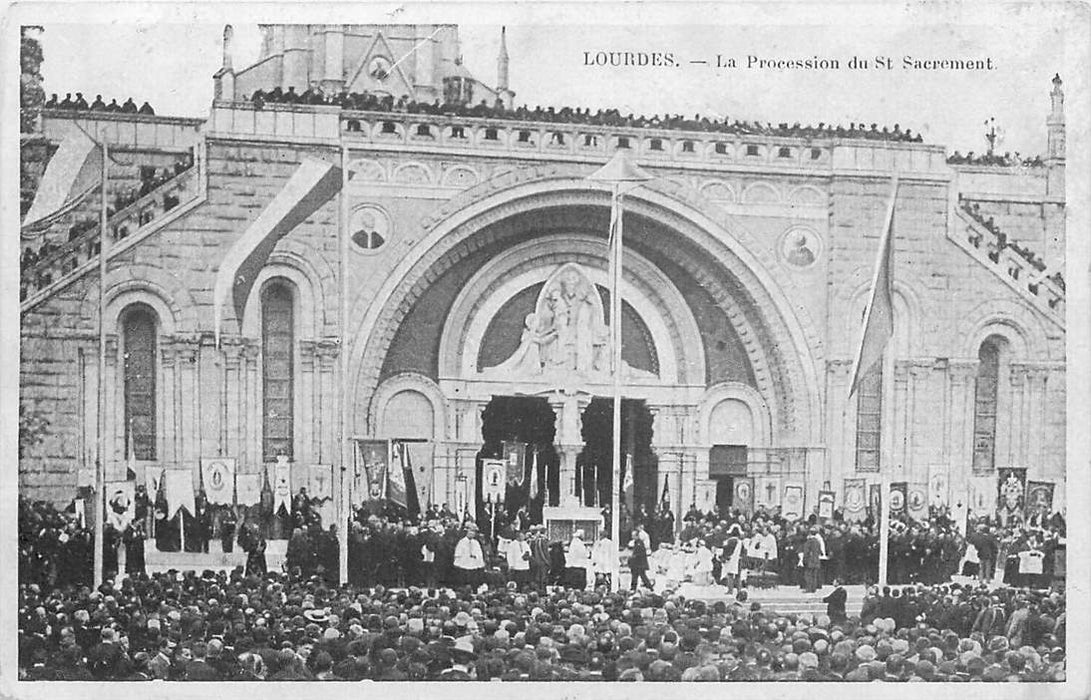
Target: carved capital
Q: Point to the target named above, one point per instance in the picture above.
(839, 369)
(232, 352)
(962, 371)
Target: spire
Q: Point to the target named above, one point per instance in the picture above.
(1055, 148)
(502, 62)
(1057, 99)
(229, 32)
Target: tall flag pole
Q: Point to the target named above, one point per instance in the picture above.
(874, 339)
(100, 448)
(622, 175)
(344, 498)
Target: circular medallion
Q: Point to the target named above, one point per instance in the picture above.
(800, 248)
(369, 228)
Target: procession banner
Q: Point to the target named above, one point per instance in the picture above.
(1039, 497)
(874, 499)
(1011, 488)
(493, 472)
(898, 493)
(282, 485)
(855, 500)
(152, 482)
(982, 490)
(421, 458)
(462, 497)
(178, 490)
(397, 485)
(916, 500)
(515, 460)
(370, 470)
(766, 491)
(744, 494)
(120, 504)
(960, 507)
(320, 481)
(248, 489)
(792, 505)
(939, 487)
(826, 500)
(218, 475)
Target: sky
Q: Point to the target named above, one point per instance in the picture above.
(170, 62)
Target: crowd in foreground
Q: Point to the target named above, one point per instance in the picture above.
(258, 625)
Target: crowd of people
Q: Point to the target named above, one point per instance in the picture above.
(434, 600)
(1006, 160)
(567, 115)
(974, 209)
(80, 104)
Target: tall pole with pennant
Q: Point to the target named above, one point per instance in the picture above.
(623, 175)
(343, 497)
(100, 446)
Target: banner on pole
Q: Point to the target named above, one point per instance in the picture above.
(855, 500)
(982, 495)
(178, 489)
(875, 500)
(766, 492)
(248, 489)
(1011, 485)
(744, 494)
(792, 505)
(515, 461)
(421, 458)
(898, 493)
(320, 481)
(369, 477)
(916, 500)
(120, 504)
(939, 487)
(282, 485)
(960, 506)
(493, 472)
(1039, 497)
(462, 497)
(218, 475)
(396, 490)
(826, 500)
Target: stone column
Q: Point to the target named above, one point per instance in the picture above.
(333, 75)
(841, 428)
(209, 401)
(306, 409)
(252, 424)
(1020, 429)
(900, 415)
(916, 465)
(190, 399)
(233, 397)
(1036, 381)
(962, 374)
(167, 423)
(328, 403)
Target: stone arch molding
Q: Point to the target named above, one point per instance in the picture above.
(673, 329)
(762, 414)
(142, 283)
(392, 386)
(531, 189)
(1014, 322)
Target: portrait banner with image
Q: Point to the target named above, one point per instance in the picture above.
(1039, 497)
(493, 473)
(916, 501)
(282, 485)
(826, 501)
(218, 477)
(744, 494)
(792, 505)
(120, 504)
(855, 500)
(370, 475)
(898, 493)
(939, 491)
(515, 460)
(1011, 490)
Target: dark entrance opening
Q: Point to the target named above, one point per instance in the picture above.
(524, 419)
(594, 465)
(725, 464)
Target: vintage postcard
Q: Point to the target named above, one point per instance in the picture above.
(571, 343)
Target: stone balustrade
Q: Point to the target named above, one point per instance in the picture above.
(123, 129)
(570, 141)
(83, 249)
(986, 246)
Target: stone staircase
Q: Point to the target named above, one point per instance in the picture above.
(1018, 273)
(72, 256)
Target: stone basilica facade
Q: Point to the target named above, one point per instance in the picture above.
(477, 289)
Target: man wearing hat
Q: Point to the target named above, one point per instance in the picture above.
(469, 559)
(462, 658)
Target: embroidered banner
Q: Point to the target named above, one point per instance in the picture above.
(826, 500)
(120, 504)
(792, 505)
(1039, 497)
(898, 492)
(1011, 487)
(744, 494)
(248, 489)
(370, 470)
(493, 472)
(766, 491)
(515, 461)
(939, 491)
(282, 485)
(916, 500)
(178, 489)
(320, 481)
(218, 476)
(855, 500)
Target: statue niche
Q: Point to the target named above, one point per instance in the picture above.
(566, 334)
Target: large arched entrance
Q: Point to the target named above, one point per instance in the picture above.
(701, 312)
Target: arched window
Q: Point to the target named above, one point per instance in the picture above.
(277, 344)
(869, 419)
(139, 341)
(985, 396)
